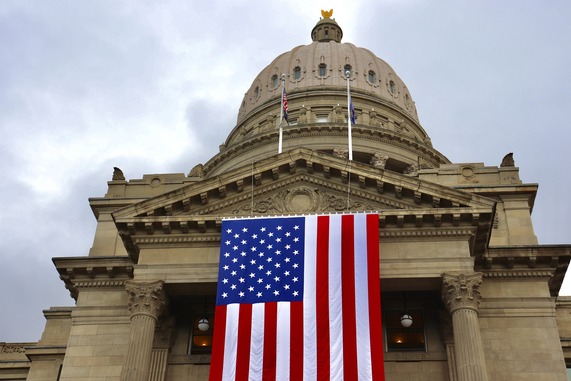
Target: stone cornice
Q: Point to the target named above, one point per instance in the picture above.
(315, 130)
(174, 240)
(92, 272)
(45, 352)
(527, 261)
(419, 223)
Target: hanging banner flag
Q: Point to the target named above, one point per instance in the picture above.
(298, 298)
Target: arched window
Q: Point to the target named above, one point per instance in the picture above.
(372, 77)
(297, 73)
(275, 81)
(322, 70)
(392, 87)
(346, 69)
(256, 92)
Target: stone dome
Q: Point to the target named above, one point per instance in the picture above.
(323, 64)
(315, 80)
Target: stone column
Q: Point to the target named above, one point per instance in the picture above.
(461, 295)
(146, 303)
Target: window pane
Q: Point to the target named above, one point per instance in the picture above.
(201, 341)
(400, 338)
(297, 73)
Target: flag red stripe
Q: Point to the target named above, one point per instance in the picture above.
(322, 298)
(217, 359)
(376, 333)
(270, 341)
(244, 340)
(296, 341)
(350, 370)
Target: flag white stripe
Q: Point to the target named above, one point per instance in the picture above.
(231, 342)
(283, 343)
(309, 300)
(257, 342)
(362, 303)
(335, 299)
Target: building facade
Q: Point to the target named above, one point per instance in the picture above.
(459, 256)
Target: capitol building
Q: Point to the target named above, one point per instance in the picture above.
(467, 292)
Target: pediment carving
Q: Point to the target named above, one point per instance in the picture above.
(300, 200)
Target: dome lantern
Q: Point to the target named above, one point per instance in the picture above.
(326, 29)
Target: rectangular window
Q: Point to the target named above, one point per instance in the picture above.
(201, 334)
(400, 338)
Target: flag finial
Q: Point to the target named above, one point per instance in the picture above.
(327, 14)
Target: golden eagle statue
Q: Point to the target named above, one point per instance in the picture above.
(327, 14)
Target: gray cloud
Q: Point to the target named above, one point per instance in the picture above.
(85, 86)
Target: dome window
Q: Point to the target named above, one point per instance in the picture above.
(372, 77)
(257, 92)
(347, 68)
(322, 70)
(391, 87)
(297, 73)
(274, 81)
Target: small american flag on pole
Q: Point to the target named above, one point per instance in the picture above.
(298, 298)
(286, 108)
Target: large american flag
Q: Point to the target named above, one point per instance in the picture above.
(298, 298)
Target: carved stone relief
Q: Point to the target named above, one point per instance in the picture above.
(303, 200)
(379, 160)
(197, 171)
(469, 175)
(411, 169)
(146, 298)
(461, 291)
(342, 153)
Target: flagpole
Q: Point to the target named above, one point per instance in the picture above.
(281, 116)
(350, 138)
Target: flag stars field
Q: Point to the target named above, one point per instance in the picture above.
(254, 279)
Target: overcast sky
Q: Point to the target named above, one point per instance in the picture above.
(154, 87)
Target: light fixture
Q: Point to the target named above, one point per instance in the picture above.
(405, 319)
(203, 324)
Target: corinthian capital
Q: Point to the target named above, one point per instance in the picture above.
(146, 298)
(461, 291)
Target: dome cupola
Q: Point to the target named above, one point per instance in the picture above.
(314, 79)
(327, 29)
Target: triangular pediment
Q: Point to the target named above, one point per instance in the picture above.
(300, 193)
(302, 181)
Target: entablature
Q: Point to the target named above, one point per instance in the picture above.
(89, 272)
(549, 261)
